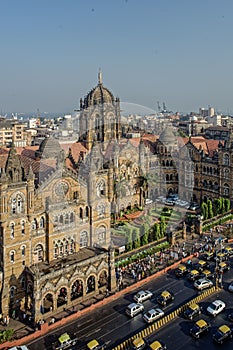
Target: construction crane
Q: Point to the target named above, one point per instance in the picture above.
(159, 108)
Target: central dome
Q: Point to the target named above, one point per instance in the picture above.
(98, 95)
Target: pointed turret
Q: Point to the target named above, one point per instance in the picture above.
(13, 167)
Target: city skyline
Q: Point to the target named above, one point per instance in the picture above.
(173, 52)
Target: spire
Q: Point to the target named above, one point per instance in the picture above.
(100, 81)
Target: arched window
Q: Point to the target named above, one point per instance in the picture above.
(42, 222)
(12, 292)
(87, 212)
(101, 209)
(34, 224)
(55, 251)
(23, 227)
(23, 284)
(12, 256)
(226, 160)
(17, 204)
(66, 219)
(72, 217)
(23, 250)
(226, 189)
(81, 213)
(101, 235)
(83, 242)
(226, 173)
(100, 188)
(12, 230)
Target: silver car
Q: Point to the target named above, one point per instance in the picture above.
(153, 315)
(134, 309)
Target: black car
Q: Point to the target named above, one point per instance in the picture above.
(224, 266)
(230, 317)
(192, 311)
(165, 298)
(181, 270)
(222, 334)
(208, 256)
(200, 327)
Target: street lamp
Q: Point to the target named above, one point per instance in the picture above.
(218, 273)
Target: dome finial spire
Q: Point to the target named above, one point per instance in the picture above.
(100, 81)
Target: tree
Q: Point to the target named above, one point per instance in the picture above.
(136, 238)
(210, 209)
(216, 207)
(144, 232)
(227, 203)
(128, 235)
(204, 210)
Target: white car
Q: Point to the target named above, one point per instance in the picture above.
(134, 309)
(216, 307)
(153, 315)
(142, 295)
(203, 283)
(230, 287)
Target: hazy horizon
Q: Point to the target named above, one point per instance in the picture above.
(177, 52)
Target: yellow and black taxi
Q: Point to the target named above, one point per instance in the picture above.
(207, 274)
(200, 327)
(181, 271)
(193, 275)
(201, 265)
(222, 334)
(165, 297)
(138, 344)
(221, 256)
(228, 251)
(157, 345)
(192, 311)
(96, 345)
(208, 256)
(64, 342)
(224, 266)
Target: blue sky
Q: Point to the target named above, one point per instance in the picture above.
(175, 51)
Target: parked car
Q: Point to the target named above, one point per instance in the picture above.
(165, 297)
(194, 206)
(230, 317)
(222, 334)
(200, 327)
(134, 309)
(138, 344)
(216, 307)
(203, 284)
(142, 295)
(153, 315)
(192, 311)
(148, 201)
(169, 202)
(157, 345)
